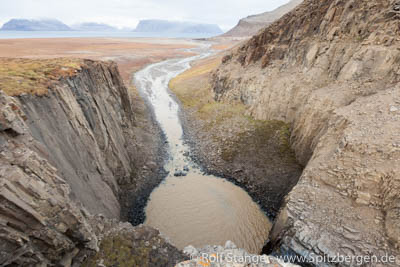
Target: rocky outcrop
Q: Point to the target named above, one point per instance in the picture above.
(128, 246)
(228, 255)
(65, 155)
(331, 70)
(249, 26)
(38, 221)
(85, 124)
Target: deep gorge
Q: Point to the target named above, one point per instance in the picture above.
(191, 207)
(304, 116)
(82, 141)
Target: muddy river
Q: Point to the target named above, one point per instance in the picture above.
(190, 207)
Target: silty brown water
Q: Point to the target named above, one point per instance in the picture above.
(195, 209)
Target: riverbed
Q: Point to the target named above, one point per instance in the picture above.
(190, 207)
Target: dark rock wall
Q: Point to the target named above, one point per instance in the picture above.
(67, 161)
(86, 125)
(39, 223)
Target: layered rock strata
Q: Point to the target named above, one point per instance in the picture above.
(67, 154)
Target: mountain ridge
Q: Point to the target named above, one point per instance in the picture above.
(250, 25)
(35, 25)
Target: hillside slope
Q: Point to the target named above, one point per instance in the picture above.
(330, 69)
(252, 24)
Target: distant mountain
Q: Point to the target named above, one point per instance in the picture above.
(166, 26)
(35, 25)
(251, 25)
(126, 29)
(93, 26)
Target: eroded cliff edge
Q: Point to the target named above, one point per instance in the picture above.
(331, 70)
(72, 147)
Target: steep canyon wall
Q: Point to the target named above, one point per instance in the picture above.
(69, 150)
(331, 70)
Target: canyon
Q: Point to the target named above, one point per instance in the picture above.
(80, 152)
(78, 156)
(302, 118)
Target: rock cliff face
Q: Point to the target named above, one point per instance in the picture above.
(85, 125)
(39, 222)
(249, 26)
(331, 70)
(66, 155)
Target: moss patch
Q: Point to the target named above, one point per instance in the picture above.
(29, 76)
(115, 250)
(141, 247)
(272, 136)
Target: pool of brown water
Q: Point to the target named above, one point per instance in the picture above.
(195, 208)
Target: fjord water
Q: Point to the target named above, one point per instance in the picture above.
(196, 209)
(95, 34)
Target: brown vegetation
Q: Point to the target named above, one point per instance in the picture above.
(131, 54)
(21, 76)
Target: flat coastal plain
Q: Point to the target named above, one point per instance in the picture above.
(131, 54)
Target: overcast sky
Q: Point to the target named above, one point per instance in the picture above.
(127, 13)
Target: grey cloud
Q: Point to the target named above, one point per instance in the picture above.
(126, 13)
